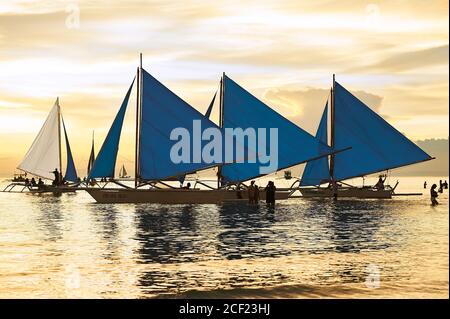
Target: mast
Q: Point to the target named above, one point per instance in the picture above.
(222, 85)
(59, 134)
(332, 129)
(92, 151)
(138, 120)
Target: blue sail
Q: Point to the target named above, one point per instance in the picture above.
(242, 110)
(375, 144)
(161, 112)
(317, 171)
(71, 172)
(105, 162)
(181, 178)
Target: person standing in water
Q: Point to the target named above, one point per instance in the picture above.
(445, 184)
(251, 193)
(441, 186)
(238, 191)
(433, 195)
(425, 185)
(270, 193)
(256, 196)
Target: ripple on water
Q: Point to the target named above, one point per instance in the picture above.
(68, 247)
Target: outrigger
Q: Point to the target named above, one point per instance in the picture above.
(158, 112)
(376, 146)
(44, 158)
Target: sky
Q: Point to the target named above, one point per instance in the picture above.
(392, 54)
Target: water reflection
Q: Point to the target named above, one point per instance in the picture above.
(155, 250)
(106, 219)
(342, 226)
(50, 215)
(354, 224)
(183, 233)
(167, 234)
(248, 232)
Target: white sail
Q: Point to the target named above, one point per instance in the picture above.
(123, 172)
(44, 154)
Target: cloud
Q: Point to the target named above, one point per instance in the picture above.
(437, 148)
(305, 107)
(410, 60)
(283, 52)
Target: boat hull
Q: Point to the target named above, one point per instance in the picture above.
(23, 188)
(173, 196)
(53, 189)
(347, 192)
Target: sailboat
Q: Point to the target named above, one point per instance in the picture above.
(376, 146)
(91, 156)
(123, 172)
(159, 111)
(44, 156)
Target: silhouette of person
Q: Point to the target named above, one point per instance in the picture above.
(188, 186)
(57, 175)
(441, 186)
(33, 182)
(256, 195)
(40, 182)
(238, 191)
(433, 195)
(380, 184)
(251, 193)
(274, 190)
(445, 184)
(425, 184)
(270, 193)
(27, 182)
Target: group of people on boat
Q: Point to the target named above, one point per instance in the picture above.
(20, 177)
(433, 193)
(253, 193)
(334, 185)
(58, 180)
(33, 183)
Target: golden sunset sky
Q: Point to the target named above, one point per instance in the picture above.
(393, 54)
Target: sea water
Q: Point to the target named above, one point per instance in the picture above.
(71, 247)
